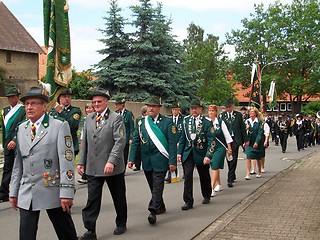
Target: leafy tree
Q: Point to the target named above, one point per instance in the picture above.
(80, 84)
(280, 32)
(311, 108)
(208, 61)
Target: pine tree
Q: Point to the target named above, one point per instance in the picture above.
(116, 43)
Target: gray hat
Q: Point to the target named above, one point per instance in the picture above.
(99, 91)
(35, 92)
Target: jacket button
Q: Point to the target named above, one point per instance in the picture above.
(33, 184)
(32, 174)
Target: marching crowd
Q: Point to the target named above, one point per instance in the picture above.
(40, 149)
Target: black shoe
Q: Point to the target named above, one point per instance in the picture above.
(283, 151)
(161, 210)
(206, 201)
(152, 218)
(186, 207)
(119, 230)
(136, 169)
(88, 235)
(230, 184)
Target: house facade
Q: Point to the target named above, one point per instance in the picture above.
(19, 52)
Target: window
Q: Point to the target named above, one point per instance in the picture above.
(275, 108)
(283, 107)
(8, 57)
(289, 106)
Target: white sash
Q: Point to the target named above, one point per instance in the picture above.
(155, 139)
(11, 113)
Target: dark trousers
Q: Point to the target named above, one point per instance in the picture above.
(232, 165)
(299, 138)
(138, 161)
(125, 154)
(117, 188)
(283, 140)
(61, 221)
(6, 176)
(205, 181)
(156, 184)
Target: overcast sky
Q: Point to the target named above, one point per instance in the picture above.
(216, 17)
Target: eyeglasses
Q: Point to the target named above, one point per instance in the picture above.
(97, 102)
(32, 104)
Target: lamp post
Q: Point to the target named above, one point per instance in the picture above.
(270, 63)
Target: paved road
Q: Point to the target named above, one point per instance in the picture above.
(174, 224)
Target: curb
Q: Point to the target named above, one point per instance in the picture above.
(226, 218)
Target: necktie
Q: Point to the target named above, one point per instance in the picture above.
(33, 132)
(230, 120)
(194, 125)
(175, 120)
(98, 120)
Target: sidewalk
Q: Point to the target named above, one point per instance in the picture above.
(285, 207)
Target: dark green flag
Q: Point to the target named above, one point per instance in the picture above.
(57, 41)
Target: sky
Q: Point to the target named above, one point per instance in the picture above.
(216, 17)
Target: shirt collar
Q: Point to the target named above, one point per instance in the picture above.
(38, 122)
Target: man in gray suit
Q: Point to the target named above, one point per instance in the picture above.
(43, 171)
(102, 154)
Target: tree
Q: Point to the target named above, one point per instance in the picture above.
(208, 61)
(80, 84)
(116, 43)
(280, 32)
(151, 63)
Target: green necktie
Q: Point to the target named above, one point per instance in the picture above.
(230, 120)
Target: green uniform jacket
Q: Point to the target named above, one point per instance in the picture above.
(238, 126)
(152, 159)
(10, 133)
(128, 123)
(202, 146)
(178, 125)
(72, 115)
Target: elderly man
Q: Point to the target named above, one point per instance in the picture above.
(196, 146)
(102, 153)
(11, 117)
(43, 172)
(156, 135)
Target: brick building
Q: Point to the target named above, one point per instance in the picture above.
(19, 52)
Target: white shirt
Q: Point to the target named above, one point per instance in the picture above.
(37, 123)
(225, 130)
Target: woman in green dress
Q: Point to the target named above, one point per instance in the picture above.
(222, 144)
(254, 150)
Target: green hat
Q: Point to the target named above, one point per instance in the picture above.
(229, 102)
(120, 101)
(196, 103)
(153, 100)
(12, 91)
(243, 108)
(99, 91)
(66, 91)
(176, 104)
(35, 92)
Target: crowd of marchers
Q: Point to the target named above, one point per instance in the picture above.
(40, 147)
